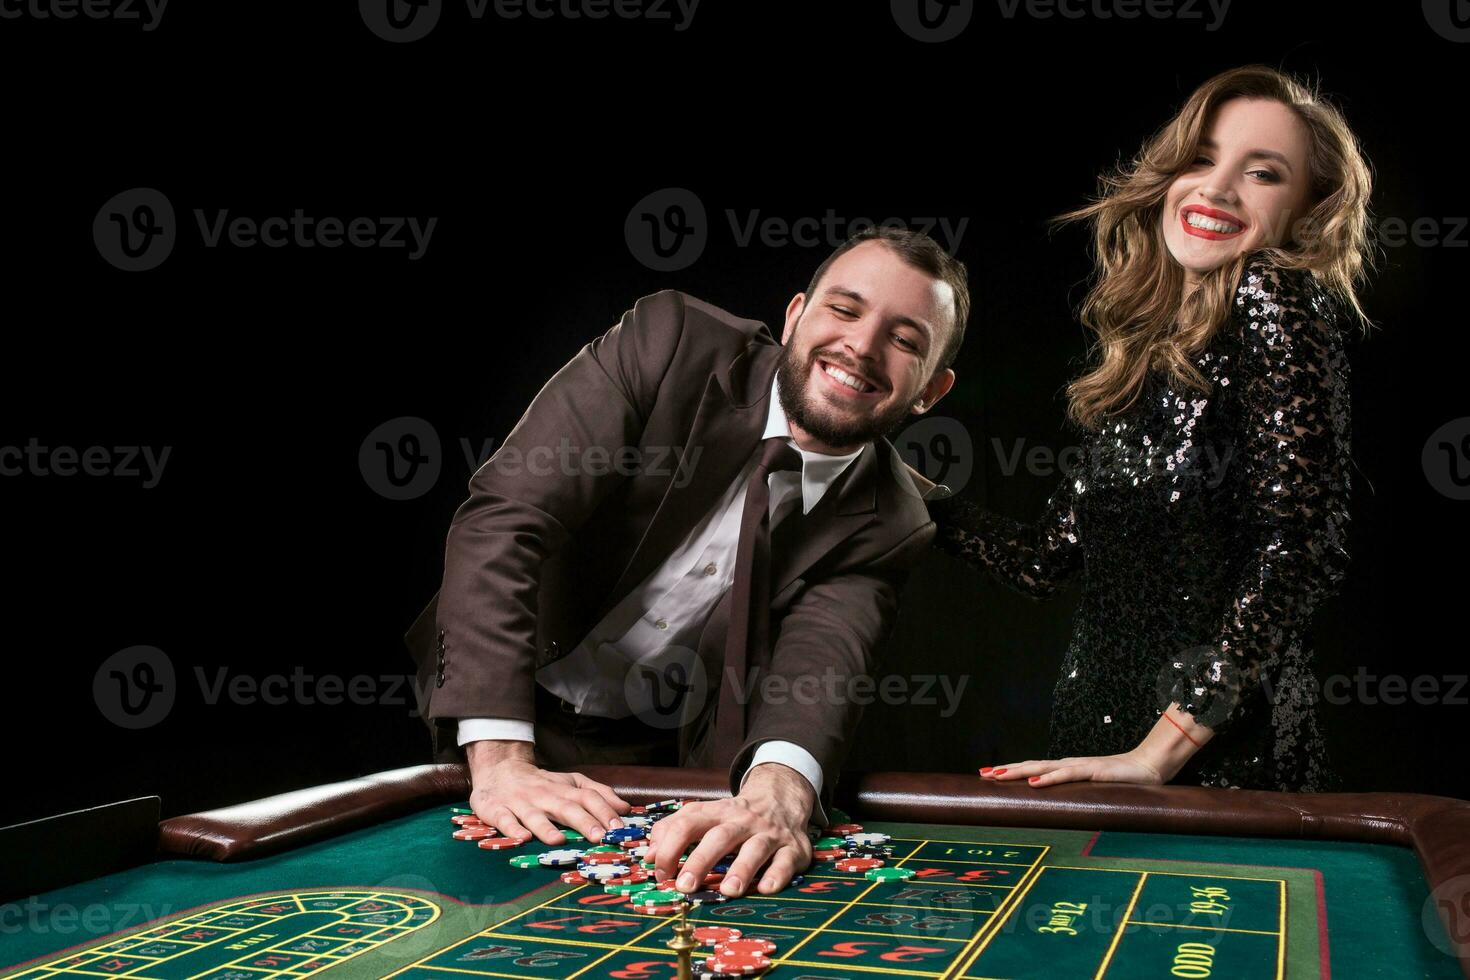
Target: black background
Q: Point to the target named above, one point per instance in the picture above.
(265, 551)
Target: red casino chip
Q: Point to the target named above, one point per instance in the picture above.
(843, 829)
(714, 935)
(466, 820)
(501, 843)
(829, 855)
(574, 878)
(737, 964)
(737, 945)
(475, 833)
(859, 864)
(668, 909)
(605, 857)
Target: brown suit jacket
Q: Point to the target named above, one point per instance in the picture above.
(541, 551)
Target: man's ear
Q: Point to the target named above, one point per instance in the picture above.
(794, 310)
(936, 389)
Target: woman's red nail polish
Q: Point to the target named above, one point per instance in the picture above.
(998, 772)
(985, 769)
(1032, 779)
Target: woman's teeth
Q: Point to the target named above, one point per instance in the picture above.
(1210, 224)
(847, 379)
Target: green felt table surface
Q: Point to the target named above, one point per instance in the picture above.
(404, 899)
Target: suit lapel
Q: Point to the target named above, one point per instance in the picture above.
(727, 425)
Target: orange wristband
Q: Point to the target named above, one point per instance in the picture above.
(1181, 729)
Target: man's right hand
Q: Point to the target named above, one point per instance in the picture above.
(509, 793)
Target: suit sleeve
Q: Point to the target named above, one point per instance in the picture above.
(827, 645)
(526, 501)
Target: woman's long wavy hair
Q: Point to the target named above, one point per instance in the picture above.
(1138, 307)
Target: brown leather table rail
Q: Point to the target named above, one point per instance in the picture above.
(1437, 828)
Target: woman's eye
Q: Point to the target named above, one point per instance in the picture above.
(1267, 175)
(1201, 161)
(844, 311)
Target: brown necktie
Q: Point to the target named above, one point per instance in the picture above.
(749, 621)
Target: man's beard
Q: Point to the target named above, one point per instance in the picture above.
(829, 425)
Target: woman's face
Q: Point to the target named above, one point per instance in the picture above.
(1244, 190)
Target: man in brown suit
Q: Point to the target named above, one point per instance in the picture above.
(690, 525)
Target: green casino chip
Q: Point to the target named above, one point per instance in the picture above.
(604, 849)
(570, 834)
(526, 861)
(888, 874)
(631, 888)
(829, 844)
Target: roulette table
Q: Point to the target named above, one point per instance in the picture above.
(362, 879)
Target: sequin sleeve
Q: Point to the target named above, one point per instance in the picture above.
(1293, 445)
(1034, 559)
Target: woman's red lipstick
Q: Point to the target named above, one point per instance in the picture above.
(1210, 213)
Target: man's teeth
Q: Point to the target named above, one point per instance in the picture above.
(1210, 224)
(847, 379)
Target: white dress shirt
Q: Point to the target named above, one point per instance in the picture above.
(666, 613)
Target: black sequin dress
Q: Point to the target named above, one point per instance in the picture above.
(1205, 529)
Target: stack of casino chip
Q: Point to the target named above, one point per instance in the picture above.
(732, 955)
(472, 828)
(852, 850)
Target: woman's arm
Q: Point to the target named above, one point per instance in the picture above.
(1034, 559)
(1293, 444)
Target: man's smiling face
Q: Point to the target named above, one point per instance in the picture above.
(864, 355)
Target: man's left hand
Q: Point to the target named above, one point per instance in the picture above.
(765, 824)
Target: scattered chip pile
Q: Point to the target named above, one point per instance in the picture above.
(619, 864)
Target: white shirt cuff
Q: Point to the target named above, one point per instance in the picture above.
(497, 729)
(792, 755)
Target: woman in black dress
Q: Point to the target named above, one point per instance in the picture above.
(1206, 519)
